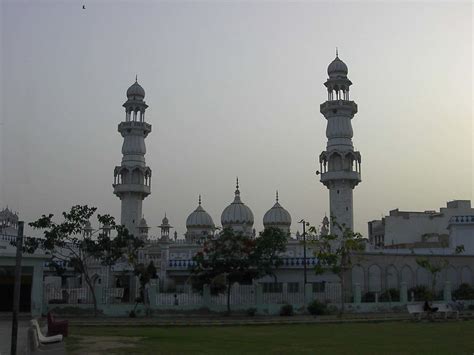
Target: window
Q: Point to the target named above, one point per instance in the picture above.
(319, 286)
(293, 287)
(272, 287)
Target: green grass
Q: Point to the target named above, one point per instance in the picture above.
(348, 338)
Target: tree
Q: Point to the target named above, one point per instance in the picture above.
(227, 255)
(335, 252)
(269, 246)
(435, 265)
(231, 258)
(67, 242)
(144, 273)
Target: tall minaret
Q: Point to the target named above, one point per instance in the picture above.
(339, 163)
(132, 179)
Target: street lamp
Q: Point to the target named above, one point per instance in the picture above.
(304, 223)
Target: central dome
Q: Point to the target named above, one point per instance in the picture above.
(237, 213)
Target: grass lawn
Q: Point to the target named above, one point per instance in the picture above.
(348, 338)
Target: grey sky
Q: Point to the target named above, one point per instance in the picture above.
(234, 89)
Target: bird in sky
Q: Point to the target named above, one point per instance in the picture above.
(83, 7)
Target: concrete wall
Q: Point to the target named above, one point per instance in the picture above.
(375, 272)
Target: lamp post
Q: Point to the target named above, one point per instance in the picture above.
(304, 223)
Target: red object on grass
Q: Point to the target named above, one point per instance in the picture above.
(57, 326)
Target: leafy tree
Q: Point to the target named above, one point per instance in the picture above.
(335, 252)
(144, 273)
(436, 264)
(229, 255)
(67, 242)
(269, 246)
(231, 258)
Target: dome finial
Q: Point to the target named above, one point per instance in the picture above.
(237, 191)
(136, 78)
(199, 199)
(276, 195)
(337, 53)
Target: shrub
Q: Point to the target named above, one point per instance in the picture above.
(470, 307)
(369, 297)
(422, 293)
(286, 310)
(332, 309)
(317, 308)
(251, 311)
(391, 294)
(464, 292)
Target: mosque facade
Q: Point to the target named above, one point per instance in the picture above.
(339, 170)
(387, 261)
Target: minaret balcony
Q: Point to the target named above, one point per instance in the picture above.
(340, 175)
(136, 127)
(333, 106)
(133, 188)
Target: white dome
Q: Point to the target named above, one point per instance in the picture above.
(337, 68)
(276, 216)
(136, 90)
(199, 218)
(237, 213)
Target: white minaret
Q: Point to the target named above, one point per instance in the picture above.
(132, 179)
(339, 163)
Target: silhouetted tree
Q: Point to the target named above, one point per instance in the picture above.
(335, 252)
(231, 258)
(67, 242)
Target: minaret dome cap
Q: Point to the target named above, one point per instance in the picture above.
(337, 68)
(135, 90)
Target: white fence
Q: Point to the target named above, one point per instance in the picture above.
(242, 295)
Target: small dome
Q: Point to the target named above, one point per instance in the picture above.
(237, 212)
(136, 90)
(165, 221)
(143, 223)
(337, 68)
(199, 218)
(277, 216)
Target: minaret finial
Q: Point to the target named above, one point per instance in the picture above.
(276, 195)
(337, 53)
(199, 199)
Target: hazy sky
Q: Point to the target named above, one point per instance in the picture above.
(234, 88)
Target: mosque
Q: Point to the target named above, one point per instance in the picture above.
(393, 242)
(339, 171)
